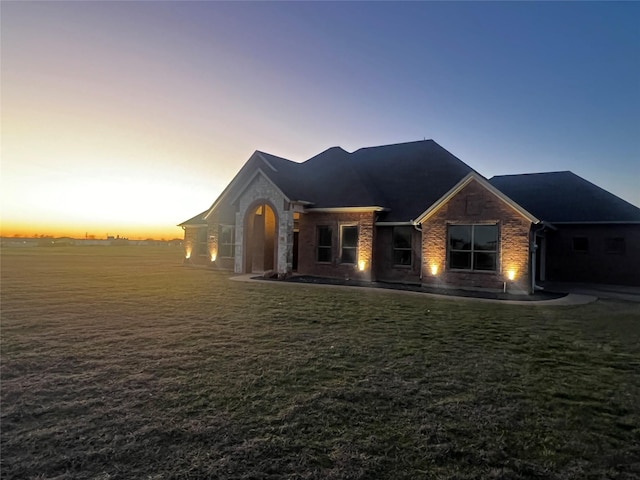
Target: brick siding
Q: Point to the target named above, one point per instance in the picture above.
(384, 267)
(307, 245)
(475, 204)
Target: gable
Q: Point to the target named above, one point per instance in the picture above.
(257, 164)
(474, 207)
(261, 188)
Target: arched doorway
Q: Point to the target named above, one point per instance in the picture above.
(260, 239)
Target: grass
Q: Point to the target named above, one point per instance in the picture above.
(118, 362)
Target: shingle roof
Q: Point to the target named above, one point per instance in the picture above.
(405, 178)
(409, 177)
(565, 197)
(197, 220)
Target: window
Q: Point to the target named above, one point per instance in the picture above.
(615, 245)
(349, 243)
(324, 244)
(472, 247)
(202, 241)
(402, 245)
(580, 244)
(227, 241)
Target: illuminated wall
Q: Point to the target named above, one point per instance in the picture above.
(307, 263)
(474, 204)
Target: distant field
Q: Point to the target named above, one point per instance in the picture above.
(118, 362)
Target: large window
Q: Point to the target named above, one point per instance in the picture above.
(227, 241)
(472, 247)
(324, 244)
(402, 245)
(348, 243)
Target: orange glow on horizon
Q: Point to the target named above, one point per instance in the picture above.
(17, 229)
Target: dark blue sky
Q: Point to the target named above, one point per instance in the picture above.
(180, 94)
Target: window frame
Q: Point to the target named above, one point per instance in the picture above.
(580, 238)
(222, 245)
(354, 248)
(328, 248)
(395, 249)
(472, 251)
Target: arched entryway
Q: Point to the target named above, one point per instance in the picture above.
(260, 239)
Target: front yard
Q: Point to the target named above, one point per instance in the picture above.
(118, 362)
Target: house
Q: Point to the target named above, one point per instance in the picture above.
(414, 213)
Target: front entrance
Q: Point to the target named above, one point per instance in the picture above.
(260, 239)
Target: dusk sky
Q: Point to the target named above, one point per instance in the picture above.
(129, 117)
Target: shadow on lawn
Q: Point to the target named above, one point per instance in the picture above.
(453, 292)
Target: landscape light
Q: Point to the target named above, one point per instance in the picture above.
(434, 269)
(361, 265)
(188, 253)
(511, 274)
(213, 256)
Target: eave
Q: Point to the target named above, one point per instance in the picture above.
(395, 224)
(616, 222)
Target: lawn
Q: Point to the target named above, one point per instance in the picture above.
(119, 362)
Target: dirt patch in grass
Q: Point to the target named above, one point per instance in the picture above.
(123, 364)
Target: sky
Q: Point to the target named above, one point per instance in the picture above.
(127, 118)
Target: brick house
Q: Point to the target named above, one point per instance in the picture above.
(414, 213)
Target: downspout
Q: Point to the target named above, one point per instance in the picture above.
(534, 251)
(533, 262)
(419, 229)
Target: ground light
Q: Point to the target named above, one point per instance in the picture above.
(511, 275)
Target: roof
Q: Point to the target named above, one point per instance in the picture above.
(408, 177)
(564, 197)
(403, 178)
(193, 221)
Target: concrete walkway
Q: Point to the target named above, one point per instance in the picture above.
(573, 298)
(617, 292)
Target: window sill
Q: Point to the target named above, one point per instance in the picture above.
(483, 272)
